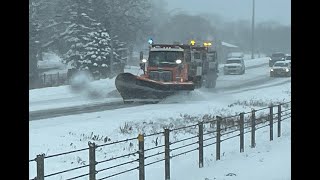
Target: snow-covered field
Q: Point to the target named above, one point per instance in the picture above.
(72, 132)
(269, 160)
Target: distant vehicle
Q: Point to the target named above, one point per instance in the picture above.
(281, 68)
(279, 56)
(287, 58)
(234, 66)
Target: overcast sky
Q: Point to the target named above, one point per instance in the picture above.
(265, 10)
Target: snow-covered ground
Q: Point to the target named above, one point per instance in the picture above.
(269, 160)
(64, 96)
(68, 133)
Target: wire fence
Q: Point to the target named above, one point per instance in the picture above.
(56, 79)
(224, 129)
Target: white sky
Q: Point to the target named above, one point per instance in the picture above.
(265, 10)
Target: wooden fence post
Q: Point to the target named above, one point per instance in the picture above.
(92, 161)
(44, 80)
(141, 157)
(200, 144)
(40, 167)
(271, 122)
(167, 153)
(218, 138)
(241, 132)
(253, 129)
(51, 79)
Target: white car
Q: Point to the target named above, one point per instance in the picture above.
(281, 68)
(234, 66)
(287, 58)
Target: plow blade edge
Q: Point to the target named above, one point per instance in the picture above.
(134, 88)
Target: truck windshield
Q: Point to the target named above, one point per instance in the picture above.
(278, 55)
(233, 61)
(280, 65)
(159, 58)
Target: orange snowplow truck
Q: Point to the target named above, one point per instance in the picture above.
(170, 68)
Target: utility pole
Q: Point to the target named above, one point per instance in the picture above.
(252, 31)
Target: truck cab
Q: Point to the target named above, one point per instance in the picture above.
(181, 63)
(278, 56)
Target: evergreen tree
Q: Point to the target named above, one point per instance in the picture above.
(97, 53)
(97, 58)
(80, 25)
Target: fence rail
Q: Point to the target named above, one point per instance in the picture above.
(221, 133)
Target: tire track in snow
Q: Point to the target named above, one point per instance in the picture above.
(65, 111)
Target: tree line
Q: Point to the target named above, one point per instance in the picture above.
(100, 34)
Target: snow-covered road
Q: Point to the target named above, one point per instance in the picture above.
(59, 101)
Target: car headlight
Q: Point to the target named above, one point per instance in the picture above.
(178, 61)
(271, 70)
(144, 60)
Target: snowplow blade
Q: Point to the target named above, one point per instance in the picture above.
(138, 89)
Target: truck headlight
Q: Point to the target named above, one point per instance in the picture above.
(287, 70)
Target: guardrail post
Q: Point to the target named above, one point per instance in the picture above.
(241, 132)
(253, 129)
(92, 161)
(40, 167)
(218, 138)
(167, 153)
(279, 120)
(200, 144)
(271, 122)
(141, 157)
